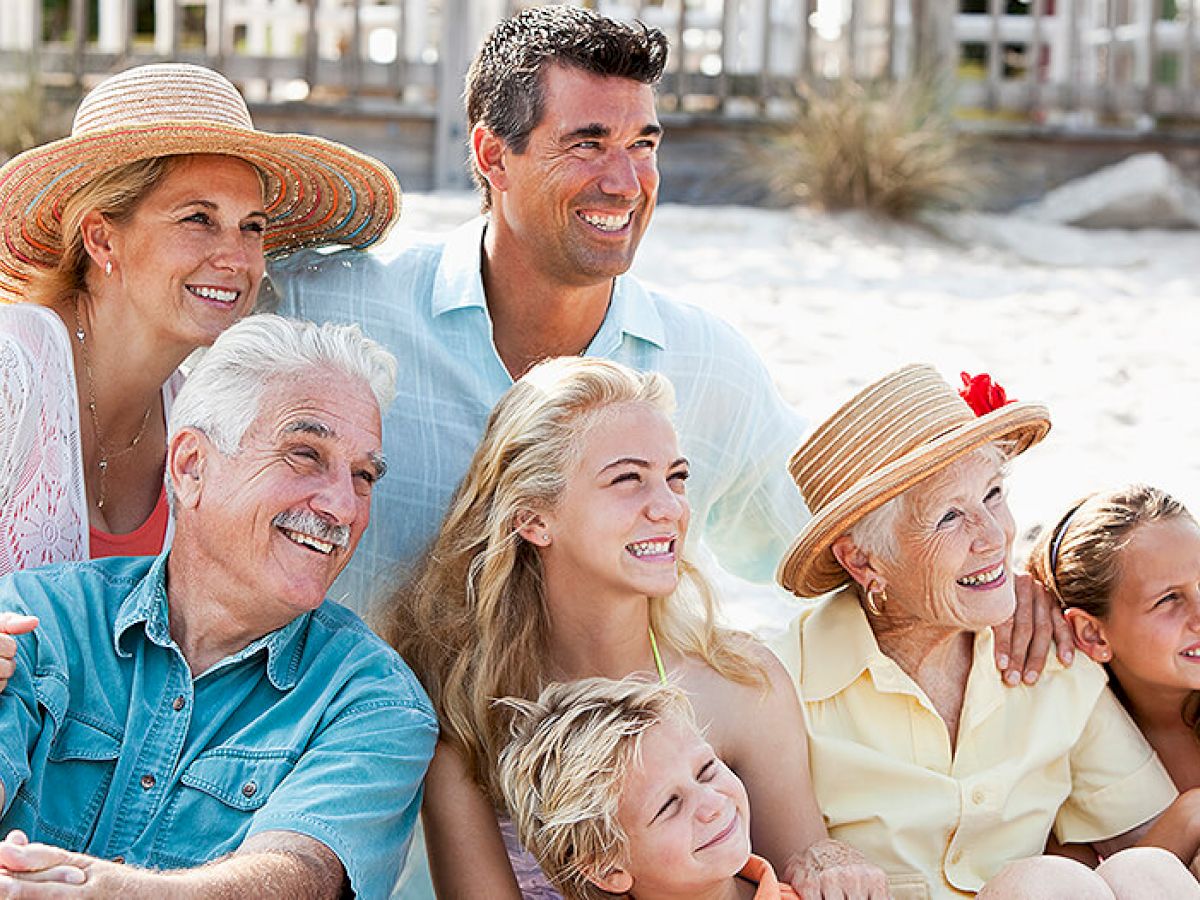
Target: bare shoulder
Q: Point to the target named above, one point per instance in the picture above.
(730, 709)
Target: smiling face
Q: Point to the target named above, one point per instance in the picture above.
(189, 260)
(278, 520)
(954, 541)
(620, 523)
(1152, 630)
(581, 194)
(686, 815)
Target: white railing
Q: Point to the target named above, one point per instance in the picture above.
(1075, 63)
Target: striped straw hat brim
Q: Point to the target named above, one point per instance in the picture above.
(317, 192)
(892, 435)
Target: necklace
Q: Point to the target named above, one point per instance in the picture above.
(106, 456)
(658, 663)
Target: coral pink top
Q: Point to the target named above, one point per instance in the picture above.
(145, 540)
(760, 872)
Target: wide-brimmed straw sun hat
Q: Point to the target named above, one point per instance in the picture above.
(317, 192)
(893, 434)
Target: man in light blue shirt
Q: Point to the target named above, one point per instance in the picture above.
(564, 146)
(205, 722)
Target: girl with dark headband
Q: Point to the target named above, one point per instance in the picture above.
(1125, 565)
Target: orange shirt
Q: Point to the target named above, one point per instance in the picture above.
(145, 540)
(760, 872)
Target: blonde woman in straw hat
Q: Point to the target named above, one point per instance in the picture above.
(123, 248)
(921, 758)
(563, 556)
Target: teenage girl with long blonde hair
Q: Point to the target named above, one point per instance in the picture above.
(563, 557)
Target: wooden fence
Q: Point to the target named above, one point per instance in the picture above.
(1034, 64)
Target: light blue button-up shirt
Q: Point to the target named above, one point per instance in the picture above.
(109, 746)
(427, 306)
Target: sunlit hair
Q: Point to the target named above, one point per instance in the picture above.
(221, 396)
(1079, 559)
(563, 773)
(505, 90)
(473, 623)
(116, 196)
(875, 533)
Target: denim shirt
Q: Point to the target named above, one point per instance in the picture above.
(427, 306)
(109, 746)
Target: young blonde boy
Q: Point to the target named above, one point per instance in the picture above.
(612, 787)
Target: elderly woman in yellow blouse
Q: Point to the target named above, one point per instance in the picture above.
(921, 758)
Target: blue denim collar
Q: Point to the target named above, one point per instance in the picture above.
(147, 605)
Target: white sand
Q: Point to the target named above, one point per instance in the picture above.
(1104, 327)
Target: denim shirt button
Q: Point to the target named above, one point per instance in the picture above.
(120, 860)
(148, 781)
(249, 789)
(178, 703)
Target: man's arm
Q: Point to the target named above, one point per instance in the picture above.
(269, 864)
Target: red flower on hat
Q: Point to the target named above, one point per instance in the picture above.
(982, 394)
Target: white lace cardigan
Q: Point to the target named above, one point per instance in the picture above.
(43, 508)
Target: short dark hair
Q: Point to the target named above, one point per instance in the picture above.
(504, 85)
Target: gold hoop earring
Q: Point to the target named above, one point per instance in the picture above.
(876, 600)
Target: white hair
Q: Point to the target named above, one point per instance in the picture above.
(875, 533)
(222, 394)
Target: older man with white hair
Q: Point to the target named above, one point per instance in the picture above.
(205, 722)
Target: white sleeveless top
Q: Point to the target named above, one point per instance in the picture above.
(43, 507)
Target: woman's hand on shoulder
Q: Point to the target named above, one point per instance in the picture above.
(831, 869)
(1023, 641)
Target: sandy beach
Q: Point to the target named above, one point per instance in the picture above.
(1103, 326)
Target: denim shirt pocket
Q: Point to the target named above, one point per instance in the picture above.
(79, 764)
(215, 802)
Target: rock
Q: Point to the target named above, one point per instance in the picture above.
(1142, 191)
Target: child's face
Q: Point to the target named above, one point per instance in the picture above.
(1153, 625)
(686, 814)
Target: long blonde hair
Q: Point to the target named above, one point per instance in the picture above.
(1079, 559)
(473, 622)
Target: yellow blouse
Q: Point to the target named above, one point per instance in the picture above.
(1061, 755)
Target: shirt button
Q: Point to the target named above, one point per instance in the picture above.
(119, 860)
(148, 781)
(178, 703)
(249, 789)
(978, 796)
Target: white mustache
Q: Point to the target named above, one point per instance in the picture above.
(310, 523)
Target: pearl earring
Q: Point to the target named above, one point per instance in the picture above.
(108, 268)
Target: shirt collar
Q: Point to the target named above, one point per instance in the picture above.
(842, 646)
(632, 311)
(839, 646)
(458, 284)
(985, 687)
(146, 605)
